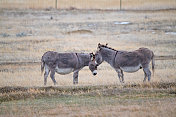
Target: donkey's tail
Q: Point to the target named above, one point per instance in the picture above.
(42, 66)
(153, 63)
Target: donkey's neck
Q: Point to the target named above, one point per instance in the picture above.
(108, 55)
(84, 59)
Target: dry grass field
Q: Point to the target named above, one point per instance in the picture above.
(89, 4)
(135, 100)
(26, 34)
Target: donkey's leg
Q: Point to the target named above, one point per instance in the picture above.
(46, 74)
(148, 73)
(122, 77)
(119, 74)
(52, 75)
(145, 76)
(75, 77)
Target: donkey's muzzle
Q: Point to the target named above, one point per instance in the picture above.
(94, 72)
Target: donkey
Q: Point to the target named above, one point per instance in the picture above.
(65, 63)
(126, 61)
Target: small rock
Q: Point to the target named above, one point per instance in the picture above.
(5, 35)
(21, 34)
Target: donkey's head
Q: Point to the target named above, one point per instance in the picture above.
(92, 64)
(98, 55)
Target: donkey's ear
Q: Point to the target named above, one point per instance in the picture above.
(92, 56)
(99, 45)
(98, 48)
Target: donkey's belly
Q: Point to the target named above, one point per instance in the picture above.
(130, 68)
(64, 71)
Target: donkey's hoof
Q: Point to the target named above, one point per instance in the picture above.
(75, 83)
(122, 81)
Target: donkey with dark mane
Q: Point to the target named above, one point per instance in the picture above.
(65, 63)
(126, 61)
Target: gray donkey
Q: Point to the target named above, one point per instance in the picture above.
(126, 61)
(65, 63)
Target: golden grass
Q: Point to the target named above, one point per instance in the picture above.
(149, 4)
(125, 91)
(145, 110)
(31, 76)
(81, 31)
(90, 4)
(103, 100)
(76, 33)
(165, 108)
(36, 4)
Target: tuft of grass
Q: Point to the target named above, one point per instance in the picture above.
(159, 85)
(126, 91)
(123, 101)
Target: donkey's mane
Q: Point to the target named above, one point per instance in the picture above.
(105, 46)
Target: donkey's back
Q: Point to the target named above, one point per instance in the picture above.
(141, 57)
(61, 60)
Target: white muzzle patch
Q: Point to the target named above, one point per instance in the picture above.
(94, 72)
